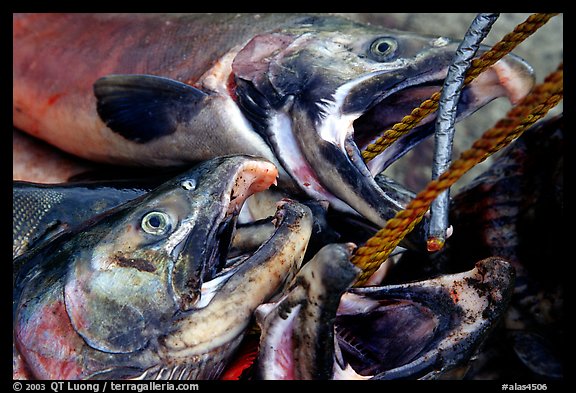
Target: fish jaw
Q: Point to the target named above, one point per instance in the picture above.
(294, 334)
(449, 317)
(205, 245)
(510, 77)
(416, 330)
(318, 99)
(210, 334)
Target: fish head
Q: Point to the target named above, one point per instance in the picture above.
(338, 85)
(353, 78)
(115, 299)
(155, 252)
(422, 329)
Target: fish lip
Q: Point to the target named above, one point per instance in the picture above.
(210, 284)
(233, 198)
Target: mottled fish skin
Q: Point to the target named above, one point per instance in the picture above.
(296, 339)
(100, 298)
(41, 211)
(288, 88)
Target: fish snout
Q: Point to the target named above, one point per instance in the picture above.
(511, 77)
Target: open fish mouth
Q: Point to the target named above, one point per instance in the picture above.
(142, 269)
(332, 118)
(422, 329)
(252, 176)
(204, 338)
(204, 252)
(510, 77)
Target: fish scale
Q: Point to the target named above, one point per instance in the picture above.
(283, 110)
(29, 212)
(41, 211)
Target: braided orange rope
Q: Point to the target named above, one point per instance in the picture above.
(499, 50)
(545, 96)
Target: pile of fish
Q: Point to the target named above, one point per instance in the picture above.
(210, 191)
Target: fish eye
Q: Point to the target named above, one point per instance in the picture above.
(383, 48)
(156, 223)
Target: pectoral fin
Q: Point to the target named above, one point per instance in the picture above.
(145, 107)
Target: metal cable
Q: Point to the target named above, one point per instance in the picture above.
(533, 107)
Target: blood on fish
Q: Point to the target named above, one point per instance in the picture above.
(53, 98)
(455, 295)
(243, 361)
(231, 86)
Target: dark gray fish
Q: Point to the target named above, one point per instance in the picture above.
(519, 195)
(515, 209)
(418, 330)
(306, 92)
(423, 329)
(120, 295)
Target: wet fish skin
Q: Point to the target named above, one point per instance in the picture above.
(243, 84)
(203, 41)
(41, 211)
(97, 298)
(35, 161)
(418, 330)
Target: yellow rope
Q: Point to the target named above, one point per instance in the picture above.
(534, 106)
(499, 50)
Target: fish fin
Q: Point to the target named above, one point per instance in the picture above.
(145, 107)
(254, 105)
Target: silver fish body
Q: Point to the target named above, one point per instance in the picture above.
(98, 299)
(301, 91)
